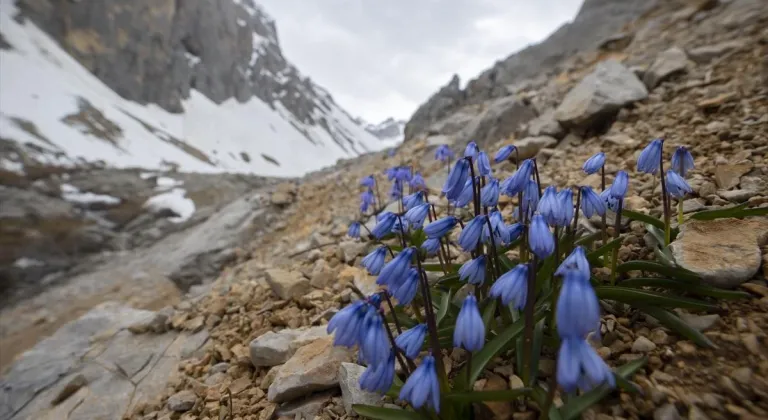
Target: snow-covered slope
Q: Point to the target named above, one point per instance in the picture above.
(389, 130)
(54, 111)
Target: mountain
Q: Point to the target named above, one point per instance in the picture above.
(162, 84)
(389, 130)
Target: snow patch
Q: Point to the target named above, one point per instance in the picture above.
(73, 194)
(175, 201)
(163, 183)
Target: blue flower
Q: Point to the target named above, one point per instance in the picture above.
(410, 341)
(515, 183)
(540, 239)
(470, 330)
(578, 310)
(676, 185)
(609, 201)
(378, 378)
(489, 194)
(443, 153)
(549, 205)
(374, 342)
(682, 161)
(456, 179)
(417, 182)
(401, 225)
(483, 164)
(471, 150)
(470, 235)
(440, 227)
(366, 200)
(405, 290)
(620, 185)
(403, 174)
(515, 230)
(579, 366)
(354, 230)
(397, 190)
(473, 271)
(375, 260)
(394, 271)
(594, 163)
(530, 196)
(466, 195)
(650, 158)
(368, 181)
(416, 215)
(431, 246)
(565, 208)
(391, 172)
(500, 232)
(386, 221)
(422, 386)
(412, 200)
(503, 153)
(346, 323)
(591, 203)
(576, 262)
(512, 286)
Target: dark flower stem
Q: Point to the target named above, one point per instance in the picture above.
(475, 195)
(616, 233)
(665, 203)
(553, 282)
(576, 219)
(431, 321)
(392, 311)
(398, 354)
(605, 214)
(530, 304)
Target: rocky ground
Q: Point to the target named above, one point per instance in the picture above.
(254, 340)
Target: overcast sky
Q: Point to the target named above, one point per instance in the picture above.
(382, 58)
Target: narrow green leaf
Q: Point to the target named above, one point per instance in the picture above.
(674, 323)
(594, 256)
(538, 340)
(445, 303)
(665, 256)
(488, 311)
(417, 238)
(696, 289)
(479, 396)
(657, 233)
(452, 268)
(382, 413)
(588, 239)
(539, 394)
(575, 406)
(450, 281)
(636, 297)
(738, 211)
(677, 273)
(641, 217)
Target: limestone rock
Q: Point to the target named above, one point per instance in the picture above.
(602, 93)
(182, 401)
(287, 284)
(349, 250)
(707, 53)
(667, 63)
(727, 176)
(546, 125)
(349, 376)
(725, 252)
(312, 368)
(530, 146)
(642, 345)
(274, 348)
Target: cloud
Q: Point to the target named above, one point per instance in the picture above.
(382, 58)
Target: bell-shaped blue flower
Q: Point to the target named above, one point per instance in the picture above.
(682, 161)
(417, 182)
(579, 366)
(500, 232)
(483, 164)
(405, 290)
(470, 235)
(576, 262)
(454, 184)
(471, 150)
(431, 246)
(620, 185)
(440, 227)
(443, 153)
(512, 286)
(473, 271)
(594, 163)
(391, 172)
(410, 341)
(374, 342)
(489, 194)
(565, 208)
(591, 203)
(650, 158)
(386, 221)
(412, 200)
(466, 195)
(374, 261)
(394, 271)
(368, 181)
(515, 230)
(416, 215)
(518, 181)
(422, 387)
(378, 378)
(676, 185)
(396, 191)
(346, 324)
(531, 196)
(540, 240)
(366, 200)
(403, 174)
(401, 226)
(549, 205)
(611, 203)
(354, 230)
(470, 330)
(578, 310)
(504, 153)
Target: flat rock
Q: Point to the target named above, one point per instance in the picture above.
(727, 176)
(530, 146)
(349, 376)
(725, 252)
(666, 64)
(602, 93)
(349, 250)
(182, 401)
(287, 284)
(737, 196)
(274, 348)
(312, 368)
(546, 125)
(707, 53)
(699, 322)
(305, 408)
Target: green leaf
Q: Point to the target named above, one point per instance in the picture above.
(479, 396)
(677, 273)
(641, 217)
(696, 289)
(450, 281)
(445, 303)
(594, 256)
(673, 322)
(636, 297)
(452, 268)
(382, 413)
(737, 211)
(488, 311)
(418, 237)
(588, 239)
(496, 346)
(539, 395)
(657, 233)
(665, 256)
(575, 406)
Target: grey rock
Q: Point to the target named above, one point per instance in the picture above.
(182, 401)
(287, 284)
(666, 412)
(530, 146)
(667, 63)
(499, 118)
(699, 322)
(305, 408)
(270, 348)
(387, 129)
(350, 250)
(439, 105)
(738, 196)
(707, 53)
(642, 345)
(546, 125)
(349, 376)
(599, 95)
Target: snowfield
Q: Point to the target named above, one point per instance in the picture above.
(66, 116)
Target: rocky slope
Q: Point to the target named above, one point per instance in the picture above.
(388, 130)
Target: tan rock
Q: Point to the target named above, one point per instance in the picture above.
(502, 410)
(728, 176)
(530, 146)
(287, 284)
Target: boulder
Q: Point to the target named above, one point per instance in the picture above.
(349, 380)
(287, 284)
(666, 64)
(530, 146)
(274, 348)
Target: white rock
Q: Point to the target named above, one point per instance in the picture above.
(349, 376)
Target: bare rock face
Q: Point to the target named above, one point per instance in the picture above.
(441, 104)
(667, 64)
(725, 252)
